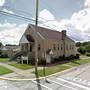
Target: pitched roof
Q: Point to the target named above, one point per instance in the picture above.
(50, 34)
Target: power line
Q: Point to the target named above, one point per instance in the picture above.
(6, 13)
(28, 19)
(29, 14)
(17, 10)
(25, 18)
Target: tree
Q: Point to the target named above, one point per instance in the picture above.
(85, 43)
(81, 50)
(78, 44)
(88, 48)
(1, 44)
(0, 52)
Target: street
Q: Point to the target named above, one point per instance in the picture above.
(77, 79)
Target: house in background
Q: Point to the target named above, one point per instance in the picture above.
(49, 43)
(4, 50)
(10, 50)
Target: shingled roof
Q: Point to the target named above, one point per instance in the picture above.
(50, 34)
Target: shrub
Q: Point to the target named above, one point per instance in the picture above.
(68, 58)
(77, 56)
(56, 59)
(3, 56)
(32, 61)
(88, 54)
(71, 57)
(61, 58)
(81, 50)
(0, 51)
(87, 48)
(42, 62)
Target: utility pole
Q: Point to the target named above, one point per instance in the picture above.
(36, 22)
(36, 53)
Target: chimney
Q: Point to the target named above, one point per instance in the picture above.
(63, 34)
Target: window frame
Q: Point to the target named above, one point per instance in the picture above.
(39, 47)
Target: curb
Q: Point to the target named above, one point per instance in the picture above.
(9, 79)
(65, 71)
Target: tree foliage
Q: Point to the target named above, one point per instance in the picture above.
(81, 50)
(1, 44)
(78, 44)
(83, 47)
(88, 48)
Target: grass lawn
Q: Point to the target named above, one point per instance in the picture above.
(4, 59)
(83, 56)
(79, 62)
(53, 69)
(22, 66)
(4, 70)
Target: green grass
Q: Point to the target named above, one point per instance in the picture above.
(4, 59)
(22, 66)
(83, 56)
(4, 70)
(79, 62)
(53, 69)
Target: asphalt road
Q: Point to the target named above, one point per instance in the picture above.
(77, 79)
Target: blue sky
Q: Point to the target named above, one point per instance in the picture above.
(72, 15)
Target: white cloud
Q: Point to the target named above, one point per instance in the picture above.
(13, 34)
(87, 3)
(7, 25)
(8, 11)
(45, 14)
(78, 26)
(2, 2)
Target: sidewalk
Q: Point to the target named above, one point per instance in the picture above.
(18, 73)
(84, 57)
(22, 74)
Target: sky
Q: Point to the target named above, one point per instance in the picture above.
(70, 15)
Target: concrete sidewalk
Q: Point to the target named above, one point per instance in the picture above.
(19, 73)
